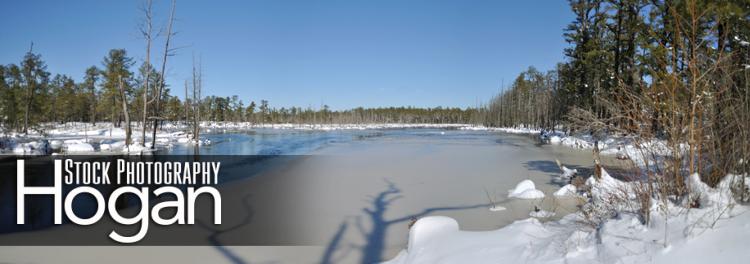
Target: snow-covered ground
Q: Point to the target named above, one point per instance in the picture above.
(715, 233)
(675, 233)
(84, 138)
(525, 189)
(622, 147)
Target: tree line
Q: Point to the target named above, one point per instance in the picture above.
(30, 95)
(669, 69)
(118, 92)
(232, 109)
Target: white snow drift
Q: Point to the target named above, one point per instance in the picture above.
(715, 233)
(525, 190)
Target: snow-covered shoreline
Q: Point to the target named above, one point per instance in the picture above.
(102, 138)
(716, 232)
(85, 138)
(676, 233)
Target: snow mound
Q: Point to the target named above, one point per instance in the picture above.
(78, 147)
(32, 148)
(204, 141)
(692, 238)
(541, 214)
(608, 189)
(711, 197)
(56, 144)
(429, 229)
(525, 190)
(111, 145)
(739, 184)
(568, 173)
(137, 149)
(567, 191)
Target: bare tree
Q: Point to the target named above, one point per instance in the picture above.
(187, 116)
(160, 86)
(197, 86)
(146, 31)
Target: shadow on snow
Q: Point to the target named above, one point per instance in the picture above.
(374, 246)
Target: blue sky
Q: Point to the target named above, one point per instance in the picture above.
(344, 53)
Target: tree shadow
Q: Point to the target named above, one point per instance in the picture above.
(545, 166)
(213, 239)
(333, 246)
(372, 250)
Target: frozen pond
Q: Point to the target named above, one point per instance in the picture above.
(348, 196)
(302, 142)
(359, 190)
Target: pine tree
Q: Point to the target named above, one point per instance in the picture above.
(250, 112)
(116, 67)
(35, 80)
(89, 85)
(12, 99)
(6, 97)
(588, 57)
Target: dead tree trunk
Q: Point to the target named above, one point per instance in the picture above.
(187, 116)
(196, 102)
(147, 33)
(160, 85)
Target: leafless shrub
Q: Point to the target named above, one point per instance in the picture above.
(693, 118)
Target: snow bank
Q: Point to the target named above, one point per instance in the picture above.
(566, 191)
(717, 232)
(31, 148)
(607, 189)
(76, 137)
(525, 190)
(541, 214)
(686, 239)
(455, 246)
(721, 196)
(430, 228)
(137, 148)
(56, 144)
(79, 147)
(620, 147)
(112, 145)
(511, 130)
(568, 173)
